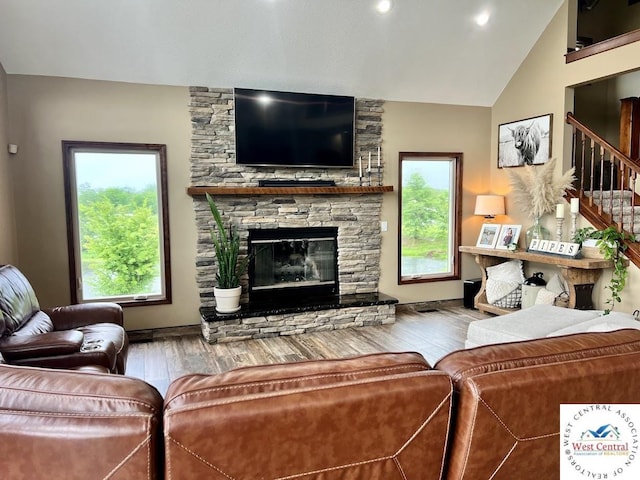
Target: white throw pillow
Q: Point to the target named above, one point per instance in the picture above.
(545, 297)
(510, 271)
(497, 289)
(557, 285)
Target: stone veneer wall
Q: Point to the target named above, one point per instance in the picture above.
(356, 216)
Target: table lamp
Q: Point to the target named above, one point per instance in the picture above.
(489, 206)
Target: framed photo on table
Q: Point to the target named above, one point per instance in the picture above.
(508, 234)
(488, 235)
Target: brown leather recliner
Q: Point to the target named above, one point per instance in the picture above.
(78, 426)
(506, 421)
(381, 416)
(61, 337)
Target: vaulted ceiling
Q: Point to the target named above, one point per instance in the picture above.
(421, 50)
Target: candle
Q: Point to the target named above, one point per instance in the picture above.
(378, 157)
(575, 205)
(360, 165)
(369, 167)
(560, 210)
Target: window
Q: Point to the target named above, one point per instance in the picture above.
(429, 213)
(117, 222)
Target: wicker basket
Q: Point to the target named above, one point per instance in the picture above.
(591, 252)
(562, 300)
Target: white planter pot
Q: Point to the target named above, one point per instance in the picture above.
(227, 299)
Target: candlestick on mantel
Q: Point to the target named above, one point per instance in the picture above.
(360, 169)
(574, 223)
(378, 158)
(560, 211)
(575, 205)
(559, 222)
(369, 166)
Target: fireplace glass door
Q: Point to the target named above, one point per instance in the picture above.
(293, 261)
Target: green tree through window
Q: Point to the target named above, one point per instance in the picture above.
(429, 223)
(119, 239)
(116, 208)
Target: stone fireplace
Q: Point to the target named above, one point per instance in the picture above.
(354, 217)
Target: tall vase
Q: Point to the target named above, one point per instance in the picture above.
(537, 231)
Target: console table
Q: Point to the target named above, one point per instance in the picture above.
(579, 273)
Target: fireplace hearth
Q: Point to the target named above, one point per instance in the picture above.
(295, 316)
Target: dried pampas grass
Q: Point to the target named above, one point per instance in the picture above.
(536, 191)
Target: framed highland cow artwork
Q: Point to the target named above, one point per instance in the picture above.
(525, 142)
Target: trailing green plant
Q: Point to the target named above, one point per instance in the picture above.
(583, 234)
(611, 244)
(226, 243)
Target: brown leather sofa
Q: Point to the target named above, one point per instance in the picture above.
(381, 416)
(490, 412)
(61, 337)
(506, 422)
(324, 420)
(58, 424)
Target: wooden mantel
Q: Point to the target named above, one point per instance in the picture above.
(322, 190)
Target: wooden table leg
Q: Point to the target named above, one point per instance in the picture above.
(483, 262)
(580, 283)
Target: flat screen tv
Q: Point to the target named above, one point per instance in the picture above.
(294, 129)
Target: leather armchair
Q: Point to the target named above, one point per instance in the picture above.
(61, 337)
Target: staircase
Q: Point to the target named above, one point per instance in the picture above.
(606, 185)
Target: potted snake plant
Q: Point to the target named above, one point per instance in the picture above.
(226, 243)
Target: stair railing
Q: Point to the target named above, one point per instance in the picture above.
(601, 171)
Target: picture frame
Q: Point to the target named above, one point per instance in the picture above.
(488, 236)
(525, 142)
(508, 234)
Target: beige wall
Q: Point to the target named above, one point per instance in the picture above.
(597, 104)
(8, 252)
(420, 127)
(543, 84)
(46, 110)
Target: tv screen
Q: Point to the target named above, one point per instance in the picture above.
(293, 129)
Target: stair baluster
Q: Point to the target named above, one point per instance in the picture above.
(606, 184)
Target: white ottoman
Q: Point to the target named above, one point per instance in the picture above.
(541, 321)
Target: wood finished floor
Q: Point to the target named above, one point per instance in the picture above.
(433, 334)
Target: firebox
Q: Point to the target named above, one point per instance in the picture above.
(293, 262)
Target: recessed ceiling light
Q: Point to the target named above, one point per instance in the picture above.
(383, 6)
(482, 19)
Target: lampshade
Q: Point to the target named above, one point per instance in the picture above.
(489, 205)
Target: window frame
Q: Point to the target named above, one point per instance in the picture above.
(69, 148)
(456, 211)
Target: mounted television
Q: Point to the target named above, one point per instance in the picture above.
(294, 129)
